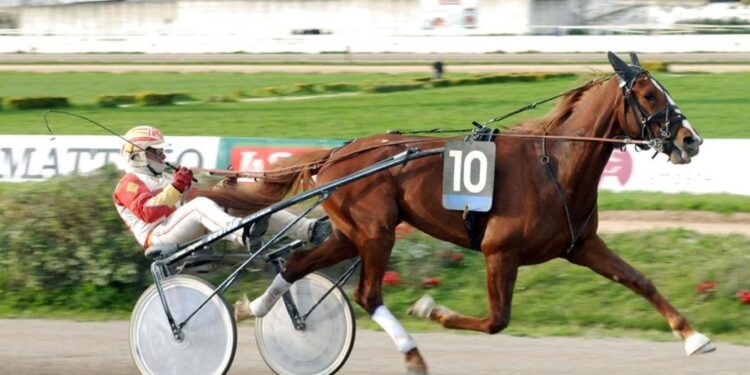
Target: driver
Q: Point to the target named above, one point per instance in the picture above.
(152, 203)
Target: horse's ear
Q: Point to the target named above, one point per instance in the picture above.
(621, 68)
(634, 59)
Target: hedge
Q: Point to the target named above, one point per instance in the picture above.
(40, 102)
(655, 66)
(63, 247)
(340, 87)
(270, 91)
(112, 101)
(386, 88)
(63, 244)
(304, 88)
(157, 99)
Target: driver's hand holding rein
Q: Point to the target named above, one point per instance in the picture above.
(152, 203)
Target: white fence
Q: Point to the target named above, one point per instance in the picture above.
(230, 43)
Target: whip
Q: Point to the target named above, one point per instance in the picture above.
(49, 129)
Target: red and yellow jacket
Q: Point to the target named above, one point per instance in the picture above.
(144, 201)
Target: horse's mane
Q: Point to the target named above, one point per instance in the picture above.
(565, 107)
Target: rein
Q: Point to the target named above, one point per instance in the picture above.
(656, 143)
(299, 167)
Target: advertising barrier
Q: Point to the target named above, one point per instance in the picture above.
(256, 154)
(38, 157)
(716, 169)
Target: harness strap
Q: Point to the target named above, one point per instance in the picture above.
(545, 160)
(472, 226)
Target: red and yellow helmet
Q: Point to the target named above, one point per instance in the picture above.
(139, 139)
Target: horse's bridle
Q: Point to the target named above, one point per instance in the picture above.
(667, 128)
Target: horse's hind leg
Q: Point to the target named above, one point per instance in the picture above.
(502, 269)
(332, 251)
(595, 255)
(336, 249)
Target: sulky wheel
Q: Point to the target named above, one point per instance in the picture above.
(209, 339)
(324, 344)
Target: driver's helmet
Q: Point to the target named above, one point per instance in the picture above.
(139, 139)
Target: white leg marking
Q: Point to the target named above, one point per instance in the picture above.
(263, 304)
(423, 307)
(393, 328)
(697, 343)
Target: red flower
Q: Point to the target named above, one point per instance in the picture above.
(431, 282)
(391, 278)
(744, 296)
(457, 257)
(706, 287)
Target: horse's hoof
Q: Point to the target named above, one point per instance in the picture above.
(423, 307)
(242, 309)
(416, 370)
(697, 343)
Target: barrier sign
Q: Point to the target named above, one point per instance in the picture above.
(717, 169)
(468, 175)
(33, 158)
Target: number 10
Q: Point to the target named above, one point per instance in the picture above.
(465, 167)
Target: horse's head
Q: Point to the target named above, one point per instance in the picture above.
(651, 114)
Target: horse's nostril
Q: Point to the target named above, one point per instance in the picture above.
(690, 142)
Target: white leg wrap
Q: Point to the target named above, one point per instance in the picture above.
(393, 328)
(263, 304)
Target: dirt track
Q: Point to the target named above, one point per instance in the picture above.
(699, 221)
(63, 347)
(371, 63)
(425, 68)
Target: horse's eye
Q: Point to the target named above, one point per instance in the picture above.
(649, 97)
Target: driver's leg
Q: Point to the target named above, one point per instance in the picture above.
(195, 218)
(201, 214)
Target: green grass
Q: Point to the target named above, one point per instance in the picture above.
(558, 298)
(555, 298)
(609, 201)
(715, 104)
(722, 203)
(81, 88)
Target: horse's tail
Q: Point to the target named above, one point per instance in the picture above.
(285, 176)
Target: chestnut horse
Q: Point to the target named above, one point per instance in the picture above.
(535, 212)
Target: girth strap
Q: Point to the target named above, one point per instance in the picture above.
(472, 219)
(472, 225)
(545, 160)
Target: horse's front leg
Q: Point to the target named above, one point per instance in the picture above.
(375, 254)
(594, 254)
(502, 270)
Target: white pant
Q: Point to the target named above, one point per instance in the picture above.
(202, 215)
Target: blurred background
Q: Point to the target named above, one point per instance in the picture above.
(246, 82)
(229, 26)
